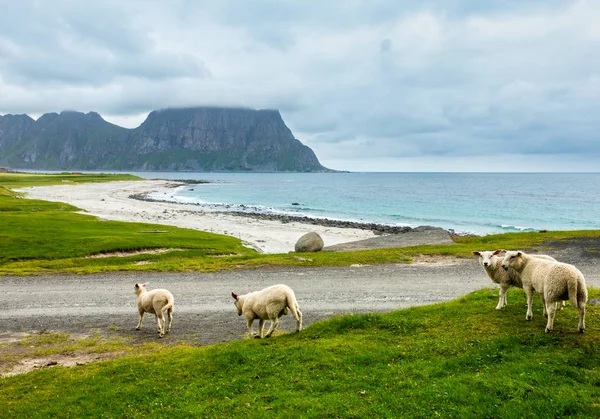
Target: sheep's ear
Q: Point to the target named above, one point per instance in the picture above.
(519, 253)
(476, 253)
(497, 251)
(136, 285)
(144, 284)
(234, 295)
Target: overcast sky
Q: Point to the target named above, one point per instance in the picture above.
(374, 85)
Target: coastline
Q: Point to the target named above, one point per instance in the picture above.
(377, 229)
(267, 234)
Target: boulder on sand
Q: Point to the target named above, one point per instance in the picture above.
(310, 242)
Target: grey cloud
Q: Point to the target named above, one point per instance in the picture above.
(90, 43)
(375, 79)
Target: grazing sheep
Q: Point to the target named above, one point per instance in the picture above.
(156, 301)
(555, 281)
(268, 304)
(492, 265)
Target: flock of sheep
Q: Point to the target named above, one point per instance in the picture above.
(268, 304)
(556, 282)
(553, 280)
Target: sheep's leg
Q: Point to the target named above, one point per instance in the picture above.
(170, 316)
(298, 320)
(261, 326)
(297, 314)
(249, 322)
(544, 305)
(160, 324)
(139, 325)
(274, 324)
(551, 309)
(581, 308)
(529, 293)
(502, 298)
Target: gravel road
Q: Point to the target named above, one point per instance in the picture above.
(204, 311)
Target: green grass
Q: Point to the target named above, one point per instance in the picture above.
(459, 359)
(50, 343)
(23, 180)
(41, 236)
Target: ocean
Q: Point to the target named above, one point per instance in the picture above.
(477, 203)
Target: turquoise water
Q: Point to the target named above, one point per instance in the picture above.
(479, 203)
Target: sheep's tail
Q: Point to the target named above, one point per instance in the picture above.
(168, 306)
(577, 291)
(293, 306)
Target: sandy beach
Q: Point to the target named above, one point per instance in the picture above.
(111, 201)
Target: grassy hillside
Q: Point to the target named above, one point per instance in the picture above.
(458, 359)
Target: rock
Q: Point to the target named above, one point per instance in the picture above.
(310, 242)
(413, 237)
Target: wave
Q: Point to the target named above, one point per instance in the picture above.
(459, 225)
(518, 228)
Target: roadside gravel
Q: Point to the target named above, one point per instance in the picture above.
(204, 311)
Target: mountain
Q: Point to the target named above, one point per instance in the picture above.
(202, 139)
(69, 140)
(12, 129)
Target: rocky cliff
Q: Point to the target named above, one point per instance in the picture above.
(192, 139)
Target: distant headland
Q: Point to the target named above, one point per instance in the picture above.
(199, 139)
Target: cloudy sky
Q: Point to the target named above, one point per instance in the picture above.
(374, 85)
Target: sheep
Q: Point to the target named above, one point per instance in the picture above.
(268, 304)
(492, 265)
(156, 301)
(555, 281)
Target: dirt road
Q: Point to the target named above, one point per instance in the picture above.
(204, 311)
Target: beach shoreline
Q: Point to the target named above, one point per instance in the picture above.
(286, 218)
(112, 201)
(135, 201)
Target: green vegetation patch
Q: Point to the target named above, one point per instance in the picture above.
(22, 180)
(457, 359)
(41, 236)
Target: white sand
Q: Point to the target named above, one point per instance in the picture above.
(110, 201)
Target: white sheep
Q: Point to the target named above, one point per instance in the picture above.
(492, 265)
(555, 281)
(268, 304)
(156, 301)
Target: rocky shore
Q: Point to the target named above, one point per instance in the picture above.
(267, 233)
(378, 229)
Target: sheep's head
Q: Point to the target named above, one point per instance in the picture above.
(512, 258)
(139, 287)
(238, 303)
(485, 257)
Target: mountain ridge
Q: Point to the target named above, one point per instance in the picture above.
(204, 139)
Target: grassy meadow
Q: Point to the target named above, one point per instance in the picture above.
(460, 359)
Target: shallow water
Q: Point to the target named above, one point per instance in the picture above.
(479, 203)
